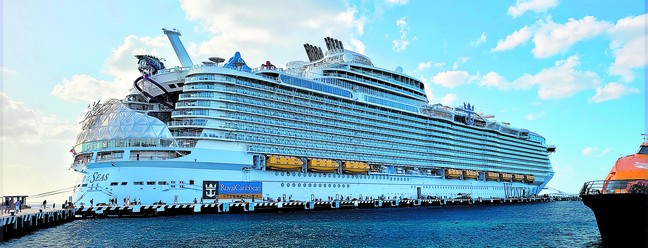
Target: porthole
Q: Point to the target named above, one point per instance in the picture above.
(276, 173)
(320, 185)
(299, 185)
(310, 185)
(329, 185)
(288, 173)
(324, 185)
(288, 185)
(334, 186)
(299, 174)
(293, 184)
(282, 173)
(282, 184)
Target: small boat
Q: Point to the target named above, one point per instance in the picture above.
(323, 165)
(353, 167)
(620, 202)
(284, 163)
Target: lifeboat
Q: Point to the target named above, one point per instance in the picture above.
(518, 177)
(470, 174)
(529, 178)
(284, 163)
(323, 165)
(492, 176)
(353, 167)
(506, 176)
(452, 173)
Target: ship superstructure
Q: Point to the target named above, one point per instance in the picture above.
(334, 126)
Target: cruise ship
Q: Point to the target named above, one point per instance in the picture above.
(333, 127)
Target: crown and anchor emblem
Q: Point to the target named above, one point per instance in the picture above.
(210, 189)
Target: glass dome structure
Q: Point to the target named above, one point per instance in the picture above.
(112, 120)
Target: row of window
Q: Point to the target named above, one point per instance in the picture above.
(391, 104)
(317, 185)
(181, 184)
(315, 86)
(334, 175)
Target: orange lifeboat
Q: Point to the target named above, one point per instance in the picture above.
(352, 167)
(518, 177)
(529, 178)
(492, 176)
(323, 165)
(284, 163)
(452, 173)
(470, 174)
(506, 176)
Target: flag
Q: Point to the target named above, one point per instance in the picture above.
(73, 151)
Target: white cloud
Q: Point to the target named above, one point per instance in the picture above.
(629, 46)
(6, 70)
(460, 60)
(261, 33)
(537, 6)
(449, 99)
(451, 79)
(84, 88)
(21, 124)
(612, 91)
(535, 116)
(513, 40)
(478, 41)
(402, 42)
(423, 66)
(595, 151)
(552, 38)
(121, 65)
(492, 79)
(357, 45)
(561, 81)
(396, 2)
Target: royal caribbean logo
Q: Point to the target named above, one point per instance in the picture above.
(232, 190)
(210, 189)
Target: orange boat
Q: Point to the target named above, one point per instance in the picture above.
(620, 202)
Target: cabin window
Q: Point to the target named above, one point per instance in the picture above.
(124, 183)
(150, 183)
(138, 183)
(113, 184)
(191, 182)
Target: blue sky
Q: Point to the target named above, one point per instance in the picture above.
(573, 71)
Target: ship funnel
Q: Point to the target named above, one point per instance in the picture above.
(174, 38)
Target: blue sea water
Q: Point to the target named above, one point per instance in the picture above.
(554, 224)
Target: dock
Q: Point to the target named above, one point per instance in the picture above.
(249, 207)
(29, 220)
(15, 225)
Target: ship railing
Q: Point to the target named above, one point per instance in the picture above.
(628, 186)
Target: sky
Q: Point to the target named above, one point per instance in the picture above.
(573, 71)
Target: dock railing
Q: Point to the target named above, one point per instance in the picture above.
(630, 186)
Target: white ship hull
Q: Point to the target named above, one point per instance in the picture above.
(181, 181)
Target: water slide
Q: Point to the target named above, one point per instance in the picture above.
(147, 94)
